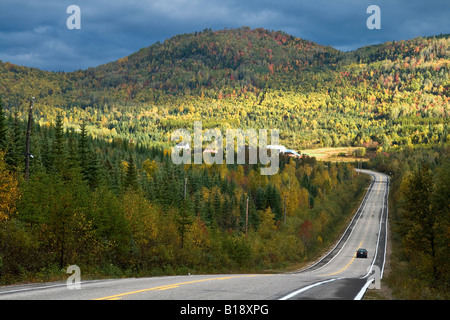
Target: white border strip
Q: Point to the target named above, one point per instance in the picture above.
(307, 288)
(366, 196)
(363, 291)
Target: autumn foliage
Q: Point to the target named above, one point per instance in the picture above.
(9, 191)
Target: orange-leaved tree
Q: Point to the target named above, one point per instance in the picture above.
(9, 190)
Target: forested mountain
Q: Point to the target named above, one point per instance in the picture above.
(395, 93)
(104, 194)
(238, 59)
(122, 210)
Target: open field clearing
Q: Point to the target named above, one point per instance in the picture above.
(344, 154)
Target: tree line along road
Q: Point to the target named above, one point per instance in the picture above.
(338, 275)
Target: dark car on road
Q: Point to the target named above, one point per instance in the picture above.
(361, 253)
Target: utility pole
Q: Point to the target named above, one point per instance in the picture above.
(246, 219)
(28, 139)
(284, 209)
(183, 219)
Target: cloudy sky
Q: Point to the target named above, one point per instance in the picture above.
(35, 33)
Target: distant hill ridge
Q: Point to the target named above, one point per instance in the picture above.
(392, 94)
(240, 59)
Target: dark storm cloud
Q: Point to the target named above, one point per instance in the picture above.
(34, 33)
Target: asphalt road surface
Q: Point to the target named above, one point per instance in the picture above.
(338, 275)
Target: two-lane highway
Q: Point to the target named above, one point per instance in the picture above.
(338, 275)
(346, 274)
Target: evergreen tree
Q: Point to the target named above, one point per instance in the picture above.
(91, 174)
(14, 156)
(62, 206)
(88, 160)
(184, 218)
(83, 149)
(217, 205)
(423, 219)
(116, 179)
(274, 200)
(3, 128)
(260, 201)
(46, 154)
(72, 164)
(59, 152)
(131, 177)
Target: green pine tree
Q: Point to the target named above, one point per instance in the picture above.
(73, 164)
(94, 168)
(83, 148)
(59, 152)
(3, 128)
(184, 218)
(14, 156)
(420, 219)
(131, 177)
(274, 201)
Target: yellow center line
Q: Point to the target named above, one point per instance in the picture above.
(175, 285)
(169, 287)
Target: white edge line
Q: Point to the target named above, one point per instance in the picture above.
(363, 291)
(45, 287)
(386, 191)
(368, 283)
(364, 288)
(32, 288)
(337, 243)
(307, 288)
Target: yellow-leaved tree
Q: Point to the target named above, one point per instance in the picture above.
(9, 191)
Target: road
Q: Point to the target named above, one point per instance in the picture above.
(338, 275)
